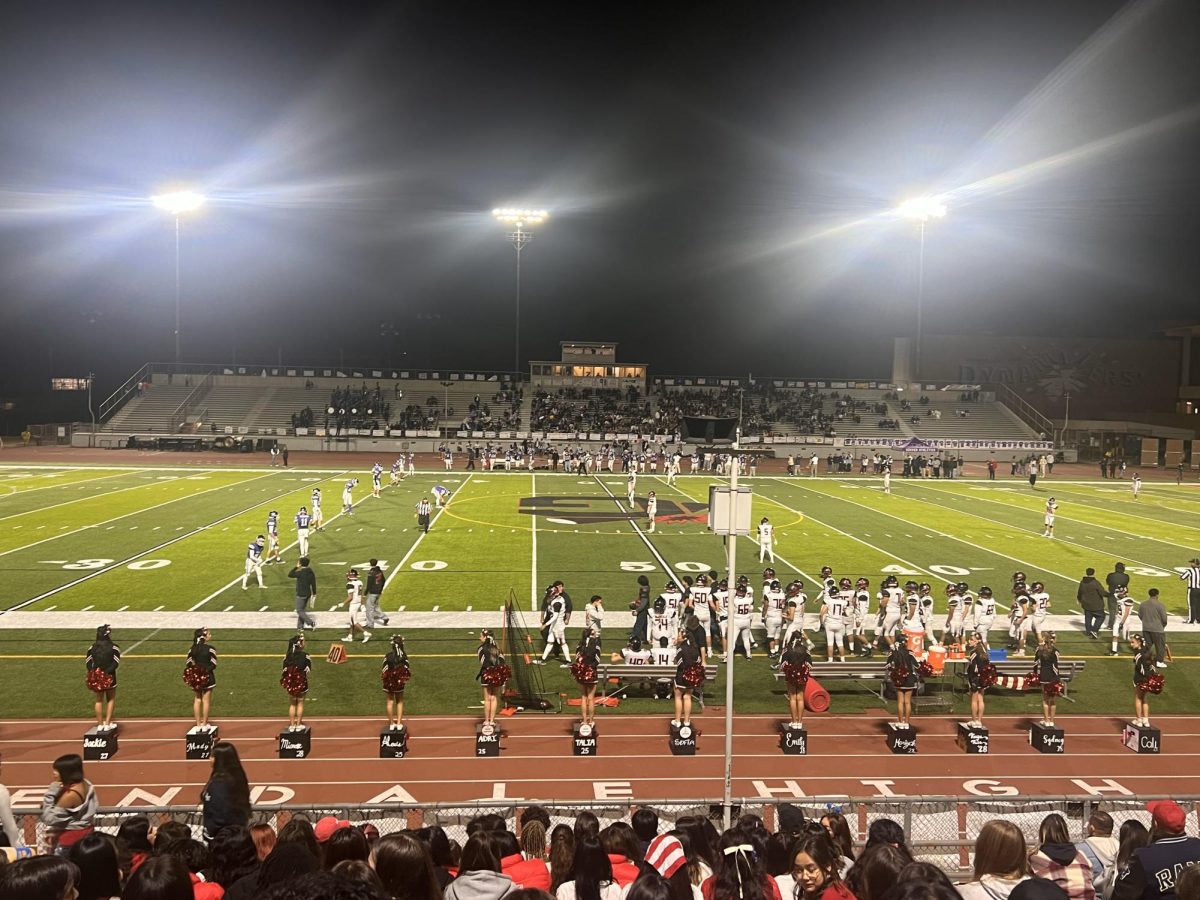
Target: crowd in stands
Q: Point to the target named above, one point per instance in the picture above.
(643, 859)
(505, 416)
(603, 410)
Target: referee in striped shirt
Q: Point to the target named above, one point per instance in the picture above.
(1192, 577)
(423, 511)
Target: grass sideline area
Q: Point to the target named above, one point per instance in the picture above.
(87, 543)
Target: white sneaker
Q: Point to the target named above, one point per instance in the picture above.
(366, 636)
(675, 723)
(349, 639)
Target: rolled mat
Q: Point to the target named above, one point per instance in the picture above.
(816, 698)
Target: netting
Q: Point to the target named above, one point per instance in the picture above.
(526, 688)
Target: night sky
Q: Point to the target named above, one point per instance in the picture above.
(719, 178)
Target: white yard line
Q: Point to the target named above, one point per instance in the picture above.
(17, 492)
(420, 537)
(645, 540)
(533, 568)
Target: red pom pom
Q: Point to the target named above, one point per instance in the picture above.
(395, 679)
(583, 673)
(497, 676)
(294, 681)
(1153, 684)
(1051, 689)
(1032, 680)
(796, 676)
(99, 680)
(196, 678)
(987, 676)
(693, 675)
(900, 676)
(924, 669)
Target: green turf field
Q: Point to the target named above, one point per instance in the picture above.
(162, 549)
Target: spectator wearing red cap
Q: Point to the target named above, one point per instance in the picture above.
(1154, 869)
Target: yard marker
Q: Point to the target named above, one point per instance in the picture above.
(48, 608)
(228, 608)
(263, 609)
(158, 609)
(123, 608)
(403, 607)
(436, 607)
(86, 608)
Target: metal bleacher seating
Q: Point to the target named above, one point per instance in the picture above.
(151, 412)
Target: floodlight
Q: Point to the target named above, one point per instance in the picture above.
(922, 209)
(178, 202)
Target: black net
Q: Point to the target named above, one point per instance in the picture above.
(525, 688)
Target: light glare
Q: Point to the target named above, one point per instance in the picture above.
(922, 209)
(177, 202)
(510, 215)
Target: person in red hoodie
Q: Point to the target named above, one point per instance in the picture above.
(621, 844)
(525, 873)
(197, 858)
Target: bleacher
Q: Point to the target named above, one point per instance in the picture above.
(151, 412)
(985, 420)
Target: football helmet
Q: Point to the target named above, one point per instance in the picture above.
(862, 584)
(826, 571)
(845, 584)
(985, 591)
(1038, 587)
(768, 574)
(924, 587)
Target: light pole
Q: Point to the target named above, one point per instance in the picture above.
(921, 210)
(519, 237)
(177, 203)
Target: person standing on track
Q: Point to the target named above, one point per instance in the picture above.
(980, 674)
(689, 675)
(902, 670)
(1146, 679)
(294, 679)
(583, 670)
(303, 521)
(254, 562)
(102, 660)
(395, 676)
(1192, 576)
(1046, 669)
(200, 674)
(306, 593)
(796, 665)
(493, 675)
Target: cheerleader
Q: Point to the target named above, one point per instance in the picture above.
(395, 675)
(294, 679)
(902, 669)
(689, 675)
(1045, 674)
(493, 675)
(583, 670)
(980, 675)
(200, 674)
(1146, 678)
(796, 666)
(102, 661)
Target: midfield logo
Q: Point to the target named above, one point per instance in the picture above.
(593, 510)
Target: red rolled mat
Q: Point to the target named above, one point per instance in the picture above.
(816, 698)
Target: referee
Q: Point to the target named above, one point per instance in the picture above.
(423, 511)
(1192, 577)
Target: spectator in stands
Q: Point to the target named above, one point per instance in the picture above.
(1132, 836)
(99, 875)
(161, 878)
(300, 831)
(525, 873)
(168, 831)
(1056, 859)
(645, 826)
(533, 841)
(739, 874)
(1001, 862)
(624, 851)
(8, 824)
(1187, 886)
(927, 874)
(342, 842)
(816, 869)
(264, 839)
(69, 804)
(234, 857)
(562, 854)
(876, 869)
(357, 872)
(887, 831)
(133, 842)
(39, 878)
(196, 857)
(586, 824)
(406, 868)
(1153, 869)
(839, 831)
(479, 875)
(440, 851)
(591, 874)
(1100, 847)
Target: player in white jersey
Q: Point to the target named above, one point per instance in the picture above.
(890, 609)
(913, 623)
(985, 613)
(720, 608)
(354, 603)
(742, 610)
(348, 496)
(674, 600)
(634, 654)
(254, 561)
(376, 479)
(412, 464)
(774, 601)
(662, 625)
(860, 615)
(795, 601)
(1039, 608)
(952, 631)
(766, 540)
(554, 627)
(1017, 615)
(593, 615)
(631, 485)
(318, 522)
(1136, 485)
(651, 510)
(1048, 518)
(273, 538)
(925, 609)
(701, 597)
(834, 612)
(303, 522)
(663, 653)
(1121, 623)
(396, 473)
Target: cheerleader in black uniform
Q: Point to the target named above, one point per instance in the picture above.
(200, 674)
(1146, 678)
(493, 675)
(796, 666)
(902, 669)
(583, 669)
(395, 676)
(980, 675)
(1046, 674)
(294, 679)
(102, 661)
(689, 675)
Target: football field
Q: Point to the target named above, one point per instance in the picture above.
(157, 551)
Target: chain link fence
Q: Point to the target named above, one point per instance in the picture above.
(940, 830)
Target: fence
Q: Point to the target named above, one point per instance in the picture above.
(940, 830)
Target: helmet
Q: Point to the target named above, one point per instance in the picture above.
(951, 590)
(742, 581)
(774, 585)
(985, 591)
(768, 574)
(862, 584)
(845, 584)
(963, 587)
(1019, 577)
(724, 585)
(910, 585)
(701, 580)
(671, 585)
(891, 581)
(1121, 591)
(1038, 587)
(924, 587)
(795, 587)
(829, 584)
(826, 571)
(660, 604)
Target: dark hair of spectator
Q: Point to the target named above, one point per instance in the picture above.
(738, 875)
(477, 856)
(1101, 822)
(193, 853)
(95, 856)
(586, 823)
(536, 813)
(924, 889)
(1000, 850)
(645, 824)
(591, 868)
(345, 843)
(434, 837)
(926, 872)
(290, 859)
(264, 839)
(134, 834)
(234, 855)
(160, 878)
(699, 838)
(1133, 836)
(503, 843)
(1053, 830)
(1187, 885)
(776, 861)
(651, 886)
(486, 822)
(747, 821)
(839, 829)
(887, 831)
(875, 870)
(38, 878)
(562, 853)
(168, 832)
(405, 867)
(299, 831)
(322, 885)
(620, 839)
(533, 839)
(69, 767)
(360, 872)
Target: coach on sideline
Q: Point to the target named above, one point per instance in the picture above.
(306, 593)
(1192, 577)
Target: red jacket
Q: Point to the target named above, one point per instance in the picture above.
(624, 872)
(526, 873)
(206, 890)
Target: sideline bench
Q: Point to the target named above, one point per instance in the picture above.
(1068, 669)
(874, 670)
(626, 675)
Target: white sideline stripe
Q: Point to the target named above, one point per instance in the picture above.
(645, 540)
(137, 512)
(417, 543)
(533, 572)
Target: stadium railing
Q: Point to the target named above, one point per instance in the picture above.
(940, 830)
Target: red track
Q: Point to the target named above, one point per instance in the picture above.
(847, 757)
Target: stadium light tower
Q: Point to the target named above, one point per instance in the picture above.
(520, 220)
(177, 203)
(921, 210)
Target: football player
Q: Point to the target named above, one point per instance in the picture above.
(985, 613)
(376, 479)
(742, 610)
(348, 496)
(1121, 623)
(890, 610)
(273, 539)
(354, 603)
(833, 619)
(861, 614)
(766, 540)
(772, 612)
(254, 562)
(1048, 518)
(702, 607)
(317, 523)
(952, 631)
